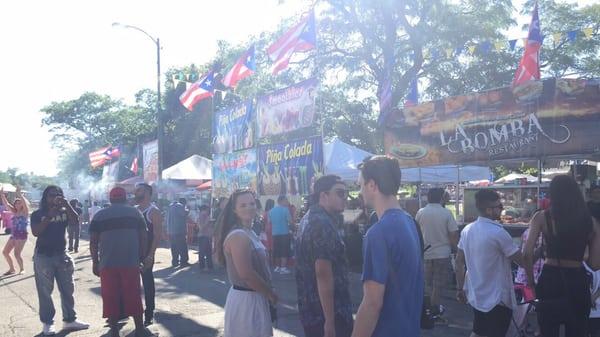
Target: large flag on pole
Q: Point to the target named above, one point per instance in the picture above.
(101, 156)
(385, 99)
(302, 37)
(200, 90)
(244, 67)
(529, 67)
(134, 166)
(412, 98)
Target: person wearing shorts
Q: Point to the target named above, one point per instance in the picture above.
(486, 250)
(281, 220)
(18, 235)
(118, 244)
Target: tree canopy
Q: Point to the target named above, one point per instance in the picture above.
(361, 43)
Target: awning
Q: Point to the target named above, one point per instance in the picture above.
(8, 187)
(204, 186)
(192, 168)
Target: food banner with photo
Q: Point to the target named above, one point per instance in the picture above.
(233, 171)
(233, 128)
(150, 156)
(287, 109)
(553, 117)
(290, 168)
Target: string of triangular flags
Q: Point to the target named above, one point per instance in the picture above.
(485, 47)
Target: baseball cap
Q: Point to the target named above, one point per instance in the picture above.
(117, 194)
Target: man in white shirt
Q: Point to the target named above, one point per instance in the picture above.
(440, 236)
(487, 250)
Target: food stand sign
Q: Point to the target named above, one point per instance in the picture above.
(150, 156)
(232, 171)
(290, 168)
(233, 128)
(538, 119)
(287, 109)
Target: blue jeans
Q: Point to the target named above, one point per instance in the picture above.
(179, 249)
(47, 269)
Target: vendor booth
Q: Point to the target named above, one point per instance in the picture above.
(343, 159)
(193, 168)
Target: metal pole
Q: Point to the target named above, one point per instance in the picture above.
(539, 184)
(457, 201)
(161, 127)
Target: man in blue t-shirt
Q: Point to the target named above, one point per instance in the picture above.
(281, 219)
(177, 216)
(393, 267)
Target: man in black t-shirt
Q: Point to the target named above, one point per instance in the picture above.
(51, 261)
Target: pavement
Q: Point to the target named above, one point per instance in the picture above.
(189, 302)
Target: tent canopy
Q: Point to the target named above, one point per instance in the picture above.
(445, 174)
(192, 168)
(342, 159)
(205, 186)
(515, 176)
(8, 187)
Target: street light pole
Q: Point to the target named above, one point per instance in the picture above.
(159, 120)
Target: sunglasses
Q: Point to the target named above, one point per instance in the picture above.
(343, 194)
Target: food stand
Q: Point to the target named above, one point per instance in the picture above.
(538, 120)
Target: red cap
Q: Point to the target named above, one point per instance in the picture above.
(117, 194)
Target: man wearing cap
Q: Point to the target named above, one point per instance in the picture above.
(118, 242)
(321, 267)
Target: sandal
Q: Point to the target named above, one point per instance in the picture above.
(10, 272)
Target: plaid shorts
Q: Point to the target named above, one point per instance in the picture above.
(436, 274)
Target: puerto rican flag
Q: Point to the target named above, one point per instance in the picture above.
(244, 67)
(101, 156)
(300, 38)
(385, 100)
(529, 67)
(198, 91)
(134, 166)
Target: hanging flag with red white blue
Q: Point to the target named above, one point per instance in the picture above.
(198, 91)
(134, 166)
(300, 38)
(244, 67)
(103, 155)
(529, 66)
(385, 100)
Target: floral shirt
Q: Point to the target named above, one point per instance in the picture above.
(320, 240)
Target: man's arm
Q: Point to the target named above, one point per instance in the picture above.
(143, 238)
(324, 273)
(157, 221)
(39, 224)
(460, 276)
(453, 237)
(369, 309)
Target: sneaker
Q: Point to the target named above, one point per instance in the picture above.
(277, 269)
(76, 325)
(285, 271)
(49, 330)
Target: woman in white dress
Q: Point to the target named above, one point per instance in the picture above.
(247, 310)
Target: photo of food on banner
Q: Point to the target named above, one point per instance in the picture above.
(233, 128)
(289, 168)
(532, 120)
(288, 109)
(232, 171)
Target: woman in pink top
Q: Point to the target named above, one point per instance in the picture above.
(18, 234)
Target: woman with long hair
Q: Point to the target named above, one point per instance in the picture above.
(563, 288)
(18, 234)
(247, 310)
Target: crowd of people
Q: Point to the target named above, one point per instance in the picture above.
(406, 261)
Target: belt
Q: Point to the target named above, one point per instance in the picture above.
(240, 288)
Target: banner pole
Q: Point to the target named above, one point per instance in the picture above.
(457, 201)
(539, 184)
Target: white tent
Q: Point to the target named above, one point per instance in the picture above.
(8, 187)
(445, 174)
(342, 159)
(192, 168)
(515, 176)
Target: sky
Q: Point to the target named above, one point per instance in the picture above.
(57, 50)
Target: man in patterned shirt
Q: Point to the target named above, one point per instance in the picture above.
(321, 266)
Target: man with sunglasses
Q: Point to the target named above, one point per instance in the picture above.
(486, 249)
(321, 267)
(51, 261)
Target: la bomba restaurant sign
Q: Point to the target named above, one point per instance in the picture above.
(553, 117)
